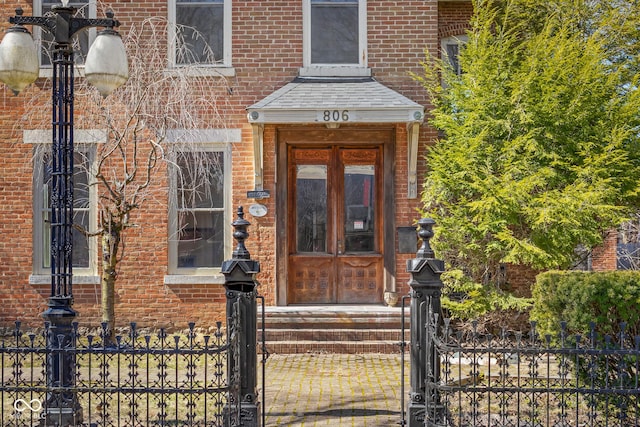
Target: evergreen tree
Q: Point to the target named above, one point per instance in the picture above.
(540, 153)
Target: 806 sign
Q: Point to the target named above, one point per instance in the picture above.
(329, 116)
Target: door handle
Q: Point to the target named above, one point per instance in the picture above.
(340, 247)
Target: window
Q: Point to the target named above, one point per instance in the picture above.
(81, 40)
(199, 223)
(200, 32)
(335, 34)
(83, 211)
(451, 51)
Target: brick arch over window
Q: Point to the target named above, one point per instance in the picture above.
(453, 30)
(454, 18)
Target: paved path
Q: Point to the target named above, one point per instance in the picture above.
(333, 390)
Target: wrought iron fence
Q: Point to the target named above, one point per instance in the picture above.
(517, 379)
(140, 379)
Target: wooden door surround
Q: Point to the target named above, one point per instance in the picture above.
(333, 208)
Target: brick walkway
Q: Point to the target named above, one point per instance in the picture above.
(333, 390)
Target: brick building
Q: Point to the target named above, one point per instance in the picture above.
(321, 115)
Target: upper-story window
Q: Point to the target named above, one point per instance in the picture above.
(335, 35)
(451, 51)
(82, 39)
(200, 32)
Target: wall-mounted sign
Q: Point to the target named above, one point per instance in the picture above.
(258, 194)
(258, 210)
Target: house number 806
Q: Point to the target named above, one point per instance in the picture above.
(335, 115)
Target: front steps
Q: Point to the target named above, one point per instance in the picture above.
(349, 329)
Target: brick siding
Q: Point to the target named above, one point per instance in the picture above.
(267, 53)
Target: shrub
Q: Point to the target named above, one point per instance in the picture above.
(595, 305)
(582, 298)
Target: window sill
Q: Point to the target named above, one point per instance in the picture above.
(185, 279)
(46, 72)
(334, 71)
(45, 279)
(189, 70)
(202, 71)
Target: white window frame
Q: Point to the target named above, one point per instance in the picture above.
(46, 69)
(338, 70)
(459, 40)
(225, 68)
(195, 274)
(85, 141)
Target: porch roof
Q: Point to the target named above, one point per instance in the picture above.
(335, 100)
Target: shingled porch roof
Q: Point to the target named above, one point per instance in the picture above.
(306, 100)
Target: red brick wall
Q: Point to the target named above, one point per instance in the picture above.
(520, 278)
(267, 53)
(453, 18)
(603, 257)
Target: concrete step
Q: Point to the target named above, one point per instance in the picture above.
(321, 334)
(339, 347)
(339, 317)
(333, 329)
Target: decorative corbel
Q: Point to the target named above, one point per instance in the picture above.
(413, 133)
(258, 143)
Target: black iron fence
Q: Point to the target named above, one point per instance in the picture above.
(140, 379)
(63, 375)
(519, 379)
(511, 379)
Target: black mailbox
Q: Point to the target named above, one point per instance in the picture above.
(407, 240)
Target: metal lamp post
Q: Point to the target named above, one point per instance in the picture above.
(106, 68)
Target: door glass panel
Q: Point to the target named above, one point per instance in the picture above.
(359, 216)
(311, 208)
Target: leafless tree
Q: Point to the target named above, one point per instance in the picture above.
(629, 243)
(140, 121)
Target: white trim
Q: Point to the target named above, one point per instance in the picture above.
(183, 279)
(80, 136)
(413, 135)
(45, 279)
(224, 69)
(201, 70)
(335, 69)
(258, 159)
(205, 136)
(381, 115)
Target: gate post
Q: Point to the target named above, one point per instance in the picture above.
(424, 408)
(240, 285)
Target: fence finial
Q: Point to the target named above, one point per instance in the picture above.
(240, 234)
(425, 233)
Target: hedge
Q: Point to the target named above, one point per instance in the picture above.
(582, 298)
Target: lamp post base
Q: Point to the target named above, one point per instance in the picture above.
(62, 407)
(61, 417)
(249, 415)
(416, 413)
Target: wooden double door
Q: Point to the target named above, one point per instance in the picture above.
(335, 225)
